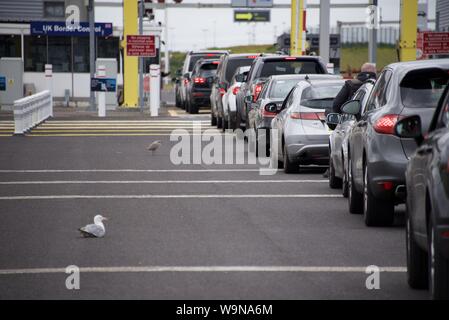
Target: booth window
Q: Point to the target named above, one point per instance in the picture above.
(81, 54)
(109, 47)
(60, 53)
(10, 46)
(35, 53)
(54, 9)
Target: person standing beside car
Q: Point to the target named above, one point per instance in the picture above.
(367, 71)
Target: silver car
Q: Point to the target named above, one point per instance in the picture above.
(302, 132)
(338, 141)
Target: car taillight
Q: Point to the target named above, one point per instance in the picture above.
(235, 90)
(199, 80)
(222, 92)
(385, 124)
(305, 115)
(252, 57)
(290, 58)
(257, 90)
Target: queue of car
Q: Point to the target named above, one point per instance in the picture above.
(388, 146)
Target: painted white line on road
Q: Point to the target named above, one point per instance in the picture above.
(125, 170)
(155, 181)
(168, 196)
(144, 269)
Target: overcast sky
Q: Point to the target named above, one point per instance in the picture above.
(199, 28)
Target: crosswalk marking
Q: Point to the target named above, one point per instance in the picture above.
(74, 128)
(6, 128)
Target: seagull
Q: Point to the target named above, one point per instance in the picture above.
(95, 230)
(154, 146)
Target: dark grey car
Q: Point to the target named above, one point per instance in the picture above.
(427, 217)
(338, 141)
(378, 158)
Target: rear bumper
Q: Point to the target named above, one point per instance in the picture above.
(384, 177)
(309, 153)
(200, 97)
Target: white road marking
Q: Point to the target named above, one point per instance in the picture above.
(168, 196)
(155, 181)
(125, 170)
(145, 269)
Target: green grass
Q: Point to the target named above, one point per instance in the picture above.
(352, 57)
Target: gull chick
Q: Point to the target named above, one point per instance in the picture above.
(154, 146)
(95, 230)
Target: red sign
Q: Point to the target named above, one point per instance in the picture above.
(433, 42)
(141, 46)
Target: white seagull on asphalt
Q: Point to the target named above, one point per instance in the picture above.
(95, 230)
(154, 146)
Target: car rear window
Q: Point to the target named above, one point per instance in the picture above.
(281, 88)
(208, 70)
(233, 64)
(320, 97)
(195, 57)
(423, 88)
(277, 67)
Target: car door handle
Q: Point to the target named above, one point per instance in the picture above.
(424, 150)
(362, 123)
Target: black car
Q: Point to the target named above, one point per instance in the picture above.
(183, 75)
(200, 84)
(269, 65)
(427, 194)
(228, 66)
(377, 158)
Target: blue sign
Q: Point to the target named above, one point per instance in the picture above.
(2, 83)
(103, 84)
(51, 28)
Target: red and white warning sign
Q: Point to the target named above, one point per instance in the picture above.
(432, 43)
(141, 46)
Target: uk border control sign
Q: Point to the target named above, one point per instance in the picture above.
(141, 46)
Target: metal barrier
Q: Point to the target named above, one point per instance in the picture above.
(32, 110)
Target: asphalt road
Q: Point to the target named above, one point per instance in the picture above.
(179, 232)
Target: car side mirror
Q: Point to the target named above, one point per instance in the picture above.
(178, 73)
(409, 127)
(273, 107)
(187, 75)
(353, 107)
(333, 118)
(240, 78)
(249, 99)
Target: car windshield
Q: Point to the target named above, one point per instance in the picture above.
(281, 88)
(320, 97)
(276, 67)
(194, 58)
(423, 88)
(233, 64)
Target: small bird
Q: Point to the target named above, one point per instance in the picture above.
(154, 146)
(95, 230)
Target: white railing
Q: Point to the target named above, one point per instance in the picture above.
(32, 110)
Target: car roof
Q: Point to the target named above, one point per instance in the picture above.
(242, 55)
(311, 76)
(277, 57)
(319, 83)
(402, 68)
(208, 51)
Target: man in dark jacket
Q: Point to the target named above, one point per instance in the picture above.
(367, 71)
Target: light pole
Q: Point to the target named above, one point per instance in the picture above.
(90, 8)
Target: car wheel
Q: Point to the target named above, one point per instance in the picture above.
(345, 184)
(177, 101)
(377, 212)
(438, 267)
(224, 126)
(417, 261)
(238, 121)
(355, 198)
(193, 109)
(289, 166)
(334, 182)
(213, 119)
(231, 123)
(219, 122)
